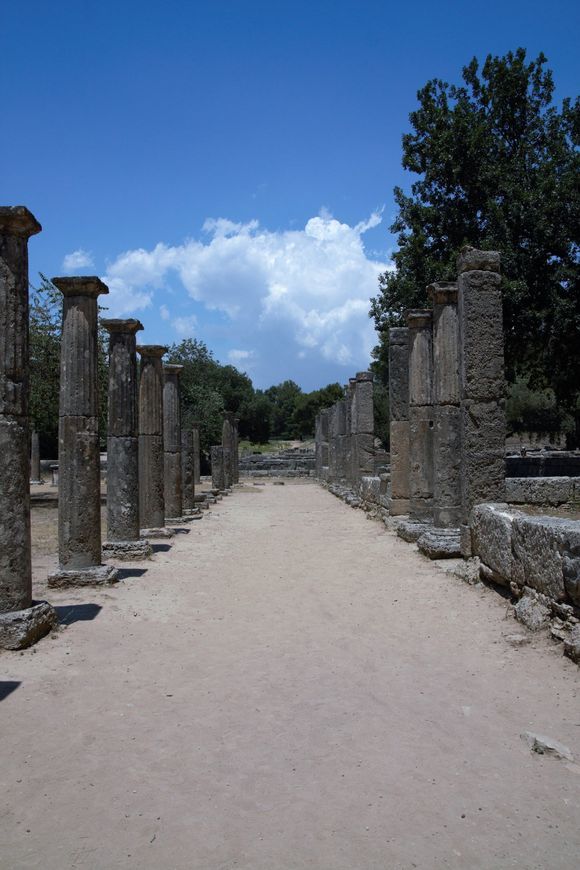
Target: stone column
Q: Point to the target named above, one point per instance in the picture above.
(351, 422)
(228, 445)
(419, 323)
(79, 476)
(35, 473)
(399, 422)
(21, 622)
(123, 527)
(481, 383)
(332, 432)
(236, 451)
(187, 473)
(218, 480)
(446, 414)
(364, 426)
(196, 453)
(340, 422)
(151, 464)
(324, 416)
(172, 442)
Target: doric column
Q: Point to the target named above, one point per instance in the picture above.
(228, 445)
(35, 473)
(419, 323)
(352, 461)
(151, 463)
(399, 419)
(79, 475)
(340, 424)
(324, 416)
(363, 423)
(187, 472)
(196, 453)
(236, 451)
(21, 622)
(123, 527)
(218, 480)
(332, 441)
(481, 383)
(317, 440)
(446, 415)
(172, 441)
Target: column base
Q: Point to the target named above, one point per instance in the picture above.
(22, 628)
(37, 483)
(412, 530)
(126, 551)
(180, 521)
(399, 507)
(95, 575)
(162, 532)
(440, 544)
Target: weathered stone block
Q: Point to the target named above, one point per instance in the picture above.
(483, 454)
(491, 536)
(420, 452)
(15, 563)
(440, 544)
(127, 551)
(540, 490)
(399, 373)
(447, 465)
(79, 491)
(22, 628)
(481, 358)
(97, 575)
(399, 432)
(538, 547)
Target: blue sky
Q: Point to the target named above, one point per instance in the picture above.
(228, 166)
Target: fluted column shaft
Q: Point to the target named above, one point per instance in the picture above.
(399, 419)
(196, 453)
(123, 435)
(218, 480)
(363, 423)
(172, 440)
(419, 323)
(79, 480)
(151, 464)
(187, 470)
(228, 445)
(17, 224)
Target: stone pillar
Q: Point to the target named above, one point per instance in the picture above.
(196, 453)
(228, 445)
(236, 451)
(187, 472)
(332, 458)
(35, 473)
(79, 477)
(446, 414)
(172, 442)
(21, 622)
(340, 422)
(419, 323)
(481, 383)
(399, 422)
(324, 416)
(218, 480)
(351, 418)
(123, 527)
(151, 464)
(363, 426)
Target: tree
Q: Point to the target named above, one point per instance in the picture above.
(45, 331)
(309, 404)
(283, 397)
(498, 166)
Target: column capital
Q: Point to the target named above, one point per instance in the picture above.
(155, 351)
(399, 335)
(17, 220)
(129, 326)
(419, 318)
(172, 369)
(80, 285)
(472, 260)
(443, 292)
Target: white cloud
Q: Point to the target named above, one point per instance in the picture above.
(185, 326)
(164, 312)
(78, 259)
(241, 357)
(287, 292)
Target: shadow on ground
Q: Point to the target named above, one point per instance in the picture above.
(69, 613)
(7, 687)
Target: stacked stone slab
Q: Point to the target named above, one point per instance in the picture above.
(21, 622)
(151, 459)
(363, 427)
(399, 422)
(196, 453)
(123, 526)
(481, 383)
(419, 323)
(173, 489)
(218, 476)
(79, 481)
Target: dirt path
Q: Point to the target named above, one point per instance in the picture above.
(289, 686)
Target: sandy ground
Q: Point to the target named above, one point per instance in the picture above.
(286, 686)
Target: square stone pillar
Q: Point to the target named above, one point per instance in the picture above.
(236, 451)
(218, 478)
(419, 323)
(340, 429)
(79, 476)
(21, 622)
(173, 488)
(123, 527)
(446, 411)
(187, 472)
(481, 382)
(363, 424)
(332, 444)
(324, 429)
(228, 445)
(399, 419)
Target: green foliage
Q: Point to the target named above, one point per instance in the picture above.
(283, 398)
(381, 412)
(498, 167)
(257, 416)
(45, 330)
(309, 404)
